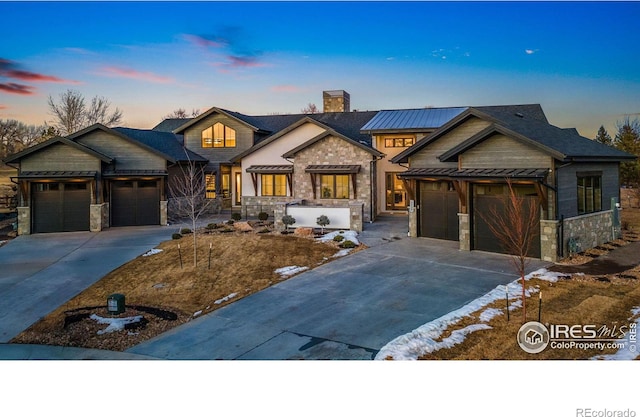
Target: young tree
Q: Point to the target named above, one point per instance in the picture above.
(310, 109)
(72, 114)
(515, 229)
(603, 137)
(188, 196)
(323, 221)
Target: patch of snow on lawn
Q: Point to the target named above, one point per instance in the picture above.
(115, 324)
(342, 252)
(420, 341)
(490, 313)
(348, 235)
(152, 252)
(287, 271)
(227, 298)
(628, 353)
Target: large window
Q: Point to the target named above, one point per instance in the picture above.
(219, 136)
(274, 185)
(391, 142)
(589, 194)
(334, 186)
(211, 186)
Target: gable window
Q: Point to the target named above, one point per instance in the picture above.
(334, 186)
(210, 186)
(391, 142)
(589, 193)
(274, 185)
(219, 136)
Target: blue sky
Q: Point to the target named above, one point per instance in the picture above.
(579, 60)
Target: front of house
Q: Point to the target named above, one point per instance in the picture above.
(445, 167)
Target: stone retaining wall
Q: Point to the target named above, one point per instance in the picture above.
(589, 230)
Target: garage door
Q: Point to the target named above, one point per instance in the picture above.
(487, 196)
(438, 210)
(60, 207)
(135, 203)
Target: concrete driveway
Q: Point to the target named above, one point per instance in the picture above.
(346, 309)
(38, 273)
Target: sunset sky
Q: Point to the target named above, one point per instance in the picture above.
(580, 61)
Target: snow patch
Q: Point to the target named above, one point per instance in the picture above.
(347, 234)
(490, 313)
(227, 298)
(114, 324)
(287, 271)
(197, 313)
(341, 253)
(152, 252)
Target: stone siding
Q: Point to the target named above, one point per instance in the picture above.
(589, 230)
(549, 240)
(24, 221)
(251, 205)
(464, 231)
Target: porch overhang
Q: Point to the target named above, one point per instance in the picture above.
(56, 175)
(255, 170)
(471, 174)
(135, 173)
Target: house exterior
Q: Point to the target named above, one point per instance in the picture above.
(445, 167)
(461, 170)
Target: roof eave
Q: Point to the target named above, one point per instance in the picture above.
(209, 113)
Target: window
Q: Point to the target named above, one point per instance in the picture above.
(210, 186)
(398, 142)
(589, 194)
(335, 186)
(226, 185)
(219, 136)
(274, 185)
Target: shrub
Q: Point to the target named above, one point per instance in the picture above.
(322, 221)
(347, 244)
(211, 226)
(288, 220)
(264, 230)
(185, 231)
(230, 222)
(338, 238)
(176, 236)
(236, 216)
(262, 216)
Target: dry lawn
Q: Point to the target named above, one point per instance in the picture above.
(241, 263)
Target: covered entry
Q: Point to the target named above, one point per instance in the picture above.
(60, 206)
(438, 210)
(135, 202)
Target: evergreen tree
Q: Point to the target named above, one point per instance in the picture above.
(628, 139)
(603, 137)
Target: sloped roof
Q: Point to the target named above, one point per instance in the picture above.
(410, 119)
(52, 141)
(164, 142)
(169, 125)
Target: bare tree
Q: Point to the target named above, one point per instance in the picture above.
(310, 109)
(16, 136)
(516, 229)
(188, 196)
(182, 114)
(72, 114)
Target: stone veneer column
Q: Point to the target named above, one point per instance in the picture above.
(464, 231)
(24, 220)
(355, 216)
(163, 213)
(96, 217)
(279, 211)
(549, 240)
(413, 222)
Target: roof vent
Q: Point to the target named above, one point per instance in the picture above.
(520, 115)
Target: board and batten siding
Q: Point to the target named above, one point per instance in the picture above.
(193, 139)
(60, 157)
(127, 154)
(568, 185)
(427, 157)
(499, 151)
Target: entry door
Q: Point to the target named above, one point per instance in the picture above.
(60, 207)
(439, 210)
(135, 203)
(396, 195)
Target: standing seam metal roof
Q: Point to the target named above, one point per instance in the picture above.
(428, 118)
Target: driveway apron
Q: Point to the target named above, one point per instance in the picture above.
(41, 272)
(346, 309)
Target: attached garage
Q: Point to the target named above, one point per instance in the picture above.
(135, 202)
(439, 210)
(60, 206)
(490, 198)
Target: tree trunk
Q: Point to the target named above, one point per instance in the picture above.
(524, 300)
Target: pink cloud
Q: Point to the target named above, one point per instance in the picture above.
(206, 41)
(138, 75)
(10, 69)
(3, 107)
(286, 89)
(19, 89)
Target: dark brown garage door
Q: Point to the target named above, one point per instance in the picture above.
(60, 207)
(438, 210)
(135, 203)
(487, 196)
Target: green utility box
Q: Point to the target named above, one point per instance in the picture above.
(115, 304)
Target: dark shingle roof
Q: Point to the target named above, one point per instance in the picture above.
(169, 125)
(164, 142)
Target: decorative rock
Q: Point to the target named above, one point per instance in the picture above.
(242, 226)
(303, 231)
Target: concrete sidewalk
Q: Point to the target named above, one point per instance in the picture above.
(41, 272)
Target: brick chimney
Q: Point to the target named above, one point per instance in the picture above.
(336, 101)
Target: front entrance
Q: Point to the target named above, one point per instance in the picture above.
(488, 196)
(135, 203)
(438, 210)
(60, 206)
(396, 195)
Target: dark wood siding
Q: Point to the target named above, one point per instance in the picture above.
(127, 154)
(60, 157)
(568, 185)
